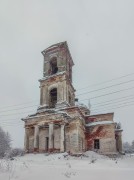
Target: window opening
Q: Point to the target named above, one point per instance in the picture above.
(69, 98)
(47, 143)
(96, 144)
(53, 97)
(54, 68)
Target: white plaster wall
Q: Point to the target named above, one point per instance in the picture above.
(31, 143)
(107, 145)
(56, 138)
(43, 133)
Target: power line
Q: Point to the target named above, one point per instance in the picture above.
(96, 84)
(81, 100)
(4, 120)
(93, 114)
(12, 123)
(77, 95)
(18, 108)
(106, 87)
(10, 120)
(18, 104)
(100, 110)
(28, 106)
(111, 105)
(106, 109)
(113, 99)
(9, 125)
(107, 94)
(15, 113)
(105, 104)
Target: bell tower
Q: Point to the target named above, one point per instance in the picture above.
(56, 89)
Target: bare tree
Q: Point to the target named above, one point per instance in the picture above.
(132, 145)
(5, 142)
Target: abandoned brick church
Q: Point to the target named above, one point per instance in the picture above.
(61, 124)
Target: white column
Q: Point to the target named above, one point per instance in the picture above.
(36, 137)
(62, 138)
(26, 141)
(51, 136)
(65, 91)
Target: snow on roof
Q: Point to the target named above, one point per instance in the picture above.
(53, 112)
(54, 46)
(110, 113)
(118, 129)
(46, 77)
(99, 123)
(81, 105)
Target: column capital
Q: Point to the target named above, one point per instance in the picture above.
(62, 123)
(36, 125)
(51, 122)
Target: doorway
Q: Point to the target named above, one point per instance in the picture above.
(47, 143)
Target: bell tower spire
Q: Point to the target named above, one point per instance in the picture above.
(56, 89)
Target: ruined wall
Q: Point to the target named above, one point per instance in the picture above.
(75, 112)
(118, 135)
(81, 137)
(63, 86)
(75, 137)
(71, 137)
(61, 79)
(60, 55)
(106, 135)
(85, 111)
(42, 120)
(31, 139)
(64, 60)
(57, 136)
(43, 133)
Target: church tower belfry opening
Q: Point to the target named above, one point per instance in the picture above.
(56, 88)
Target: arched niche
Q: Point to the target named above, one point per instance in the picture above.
(53, 98)
(53, 65)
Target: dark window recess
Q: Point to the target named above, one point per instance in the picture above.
(47, 143)
(53, 98)
(70, 73)
(96, 144)
(70, 98)
(54, 68)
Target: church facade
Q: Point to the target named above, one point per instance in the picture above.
(61, 124)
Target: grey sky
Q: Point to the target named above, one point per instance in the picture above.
(100, 38)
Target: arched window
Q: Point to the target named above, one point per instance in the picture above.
(53, 98)
(53, 64)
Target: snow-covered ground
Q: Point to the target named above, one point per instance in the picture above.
(61, 167)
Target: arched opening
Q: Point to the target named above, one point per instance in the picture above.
(53, 98)
(53, 63)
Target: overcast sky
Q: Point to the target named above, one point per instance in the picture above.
(100, 36)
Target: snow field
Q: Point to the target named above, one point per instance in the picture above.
(62, 166)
